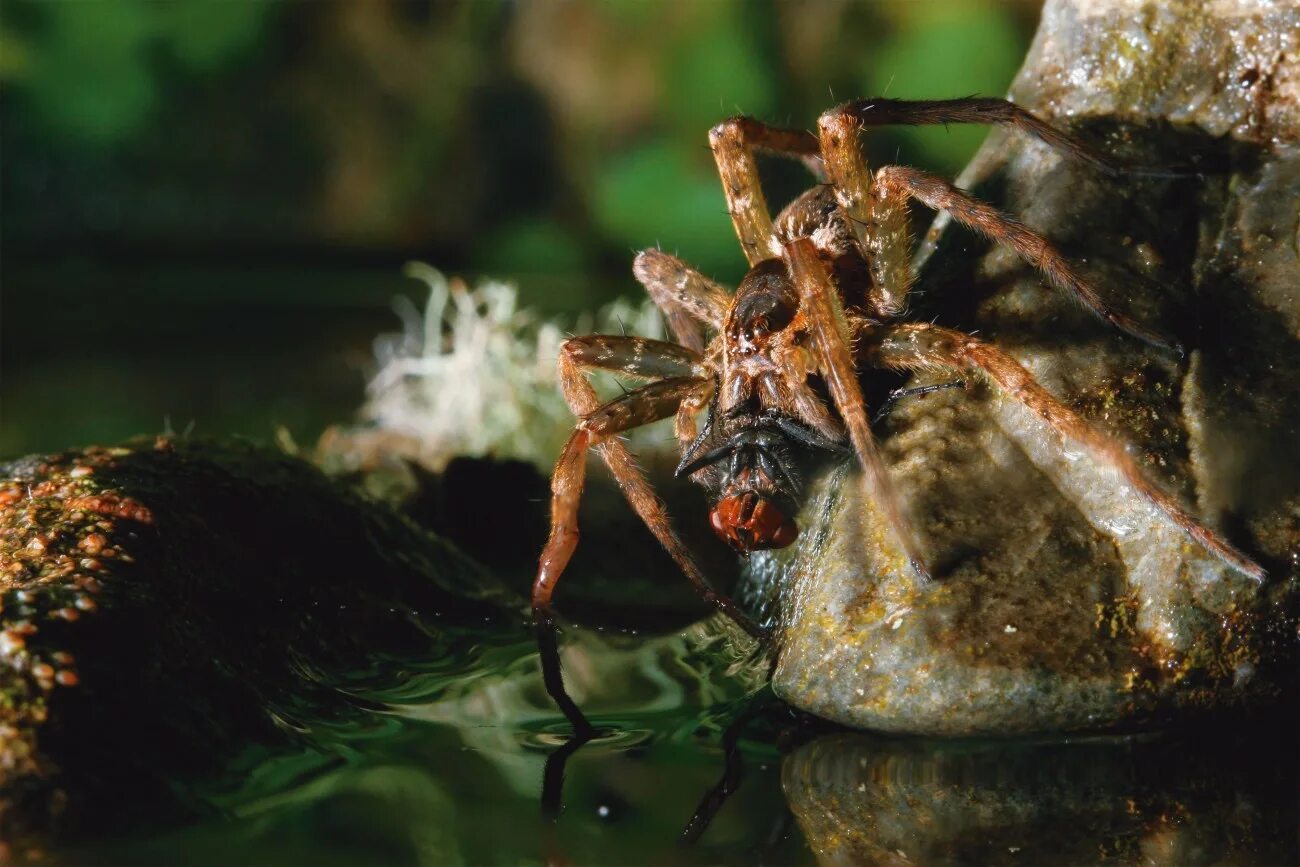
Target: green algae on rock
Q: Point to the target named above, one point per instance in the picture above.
(168, 605)
(1067, 602)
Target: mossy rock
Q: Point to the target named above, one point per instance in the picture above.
(169, 604)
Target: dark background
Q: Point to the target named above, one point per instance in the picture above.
(207, 205)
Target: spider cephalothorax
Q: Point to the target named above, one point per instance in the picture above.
(776, 365)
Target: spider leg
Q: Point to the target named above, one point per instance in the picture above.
(881, 226)
(684, 424)
(916, 346)
(598, 428)
(734, 143)
(877, 210)
(636, 357)
(685, 296)
(899, 183)
(820, 304)
(972, 109)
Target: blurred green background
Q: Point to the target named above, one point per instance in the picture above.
(206, 205)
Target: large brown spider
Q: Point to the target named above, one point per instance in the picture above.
(827, 284)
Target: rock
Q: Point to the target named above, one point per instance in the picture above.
(1066, 602)
(170, 605)
(1175, 800)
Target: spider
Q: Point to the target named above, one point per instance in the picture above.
(823, 299)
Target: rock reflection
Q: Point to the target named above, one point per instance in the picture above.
(1177, 800)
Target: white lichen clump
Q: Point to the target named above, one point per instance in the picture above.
(476, 375)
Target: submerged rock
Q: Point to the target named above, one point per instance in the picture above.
(1065, 600)
(169, 606)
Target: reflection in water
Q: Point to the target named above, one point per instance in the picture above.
(452, 760)
(1173, 799)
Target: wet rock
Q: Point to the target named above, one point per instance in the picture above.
(1176, 800)
(1065, 601)
(169, 606)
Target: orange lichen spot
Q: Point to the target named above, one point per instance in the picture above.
(11, 642)
(10, 494)
(114, 506)
(68, 614)
(85, 603)
(67, 677)
(43, 671)
(93, 543)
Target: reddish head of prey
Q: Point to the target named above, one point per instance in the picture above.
(749, 521)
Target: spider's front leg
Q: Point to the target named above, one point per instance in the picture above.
(820, 305)
(598, 428)
(898, 184)
(918, 346)
(734, 143)
(877, 208)
(685, 296)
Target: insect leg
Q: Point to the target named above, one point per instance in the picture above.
(916, 391)
(899, 183)
(734, 143)
(685, 296)
(916, 346)
(821, 305)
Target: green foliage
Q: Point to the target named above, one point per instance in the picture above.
(533, 244)
(657, 195)
(718, 70)
(91, 70)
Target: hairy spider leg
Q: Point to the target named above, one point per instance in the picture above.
(877, 209)
(686, 297)
(878, 111)
(900, 183)
(734, 143)
(820, 305)
(919, 346)
(598, 427)
(882, 226)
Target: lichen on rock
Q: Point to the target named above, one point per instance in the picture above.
(169, 604)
